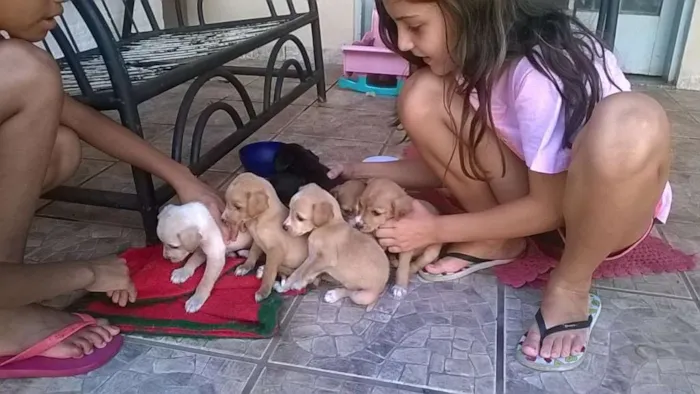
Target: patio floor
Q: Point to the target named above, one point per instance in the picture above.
(451, 337)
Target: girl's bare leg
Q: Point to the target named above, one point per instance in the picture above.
(620, 165)
(34, 155)
(425, 118)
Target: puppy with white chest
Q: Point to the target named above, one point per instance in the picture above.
(190, 230)
(348, 196)
(381, 201)
(352, 258)
(252, 202)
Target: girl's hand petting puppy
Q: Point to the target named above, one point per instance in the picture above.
(199, 191)
(417, 229)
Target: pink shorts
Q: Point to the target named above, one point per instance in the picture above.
(619, 253)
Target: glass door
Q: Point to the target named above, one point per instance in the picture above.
(644, 32)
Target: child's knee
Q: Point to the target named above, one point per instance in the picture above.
(421, 99)
(28, 72)
(65, 158)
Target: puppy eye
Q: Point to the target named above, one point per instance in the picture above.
(376, 213)
(299, 218)
(237, 207)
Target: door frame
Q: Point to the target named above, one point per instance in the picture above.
(679, 39)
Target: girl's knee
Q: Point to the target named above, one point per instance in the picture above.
(65, 158)
(422, 98)
(626, 131)
(28, 71)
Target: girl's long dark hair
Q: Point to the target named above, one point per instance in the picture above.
(484, 35)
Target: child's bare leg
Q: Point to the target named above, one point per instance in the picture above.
(620, 165)
(30, 106)
(423, 113)
(65, 159)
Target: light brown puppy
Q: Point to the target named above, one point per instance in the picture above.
(337, 249)
(251, 201)
(348, 196)
(381, 201)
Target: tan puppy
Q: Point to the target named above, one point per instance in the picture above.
(337, 249)
(381, 201)
(348, 196)
(252, 202)
(190, 230)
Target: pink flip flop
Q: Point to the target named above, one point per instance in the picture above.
(30, 363)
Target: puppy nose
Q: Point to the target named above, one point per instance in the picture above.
(357, 221)
(285, 226)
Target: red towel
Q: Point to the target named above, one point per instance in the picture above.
(230, 311)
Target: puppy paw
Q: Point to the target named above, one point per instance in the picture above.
(280, 286)
(332, 296)
(299, 285)
(261, 294)
(195, 303)
(243, 253)
(180, 275)
(259, 273)
(398, 292)
(242, 270)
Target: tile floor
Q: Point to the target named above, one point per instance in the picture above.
(443, 338)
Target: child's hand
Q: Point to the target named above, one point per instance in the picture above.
(197, 190)
(415, 230)
(122, 297)
(338, 169)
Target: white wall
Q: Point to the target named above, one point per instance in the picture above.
(337, 22)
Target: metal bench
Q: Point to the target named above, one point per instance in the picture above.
(129, 66)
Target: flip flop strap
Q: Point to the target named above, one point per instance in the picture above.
(465, 257)
(544, 331)
(52, 340)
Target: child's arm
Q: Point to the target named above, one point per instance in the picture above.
(111, 138)
(540, 211)
(115, 140)
(408, 173)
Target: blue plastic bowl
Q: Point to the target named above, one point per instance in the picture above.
(259, 157)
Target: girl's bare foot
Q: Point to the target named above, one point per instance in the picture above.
(495, 250)
(23, 327)
(561, 304)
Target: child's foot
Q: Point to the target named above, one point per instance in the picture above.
(505, 250)
(561, 304)
(23, 327)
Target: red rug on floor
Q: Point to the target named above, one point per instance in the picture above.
(231, 311)
(651, 256)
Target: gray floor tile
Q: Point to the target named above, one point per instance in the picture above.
(666, 284)
(641, 344)
(441, 336)
(149, 370)
(276, 380)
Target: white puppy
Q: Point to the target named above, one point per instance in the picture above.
(189, 229)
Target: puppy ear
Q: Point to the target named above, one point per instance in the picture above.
(190, 238)
(335, 192)
(323, 213)
(402, 206)
(257, 203)
(165, 210)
